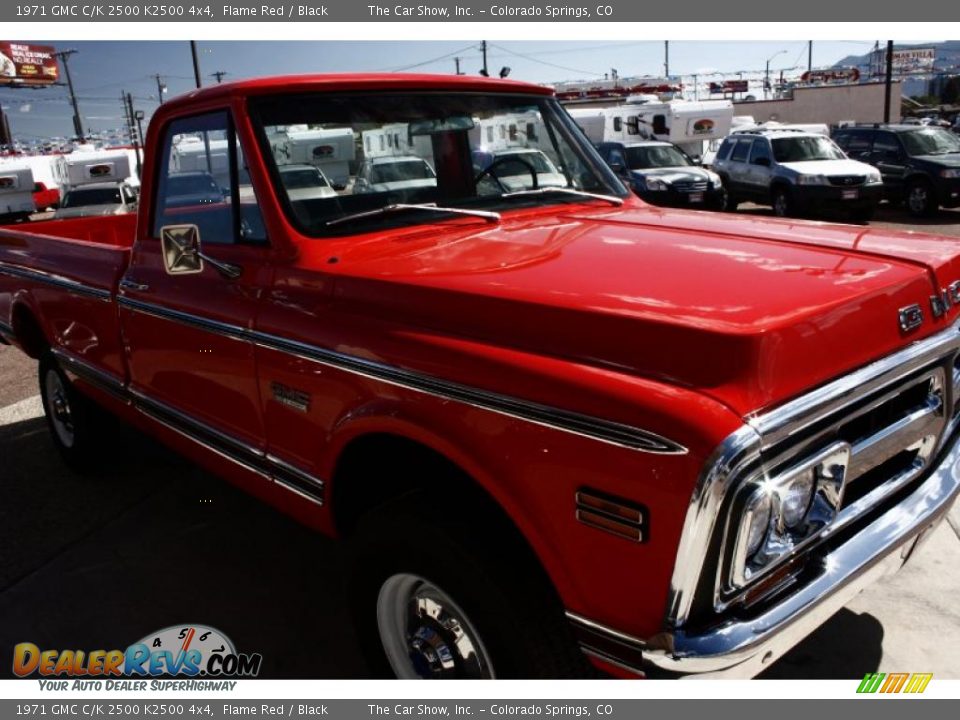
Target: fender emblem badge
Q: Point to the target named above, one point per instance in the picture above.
(911, 317)
(292, 398)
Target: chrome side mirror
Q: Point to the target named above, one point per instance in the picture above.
(180, 245)
(181, 249)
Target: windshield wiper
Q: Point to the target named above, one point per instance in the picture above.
(401, 207)
(612, 199)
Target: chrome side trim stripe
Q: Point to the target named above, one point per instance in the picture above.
(572, 422)
(59, 281)
(222, 444)
(102, 379)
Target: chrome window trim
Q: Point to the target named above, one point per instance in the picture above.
(591, 427)
(59, 281)
(768, 430)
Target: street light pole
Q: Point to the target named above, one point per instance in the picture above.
(161, 88)
(196, 63)
(766, 77)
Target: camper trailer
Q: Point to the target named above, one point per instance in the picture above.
(690, 125)
(333, 150)
(94, 183)
(194, 154)
(75, 169)
(16, 193)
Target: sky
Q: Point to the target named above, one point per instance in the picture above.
(102, 69)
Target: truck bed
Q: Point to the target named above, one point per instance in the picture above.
(63, 271)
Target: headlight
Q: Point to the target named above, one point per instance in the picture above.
(950, 173)
(874, 178)
(715, 181)
(811, 180)
(655, 185)
(756, 520)
(783, 511)
(795, 499)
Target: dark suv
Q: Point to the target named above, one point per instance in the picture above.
(920, 165)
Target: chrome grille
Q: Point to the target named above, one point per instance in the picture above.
(847, 180)
(690, 186)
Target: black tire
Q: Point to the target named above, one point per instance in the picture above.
(920, 198)
(781, 200)
(862, 215)
(488, 576)
(74, 421)
(729, 202)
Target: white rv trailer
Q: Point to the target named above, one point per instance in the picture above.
(16, 193)
(193, 154)
(84, 168)
(690, 125)
(333, 150)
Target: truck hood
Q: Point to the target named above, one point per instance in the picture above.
(950, 160)
(750, 311)
(671, 175)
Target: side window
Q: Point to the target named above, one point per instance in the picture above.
(761, 149)
(855, 142)
(741, 151)
(204, 181)
(887, 145)
(616, 157)
(725, 149)
(617, 124)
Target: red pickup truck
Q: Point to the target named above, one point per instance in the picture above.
(555, 424)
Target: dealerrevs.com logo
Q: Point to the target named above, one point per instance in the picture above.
(895, 683)
(181, 650)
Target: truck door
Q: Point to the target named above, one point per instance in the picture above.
(758, 171)
(191, 360)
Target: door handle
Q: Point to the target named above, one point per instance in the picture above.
(127, 284)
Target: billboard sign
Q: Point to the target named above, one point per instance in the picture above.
(833, 75)
(730, 86)
(23, 64)
(919, 60)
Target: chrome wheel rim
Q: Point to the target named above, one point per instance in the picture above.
(425, 634)
(58, 407)
(780, 205)
(918, 199)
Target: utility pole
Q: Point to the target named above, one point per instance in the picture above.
(218, 75)
(77, 123)
(161, 88)
(483, 49)
(132, 127)
(888, 82)
(196, 63)
(810, 56)
(666, 59)
(456, 62)
(696, 88)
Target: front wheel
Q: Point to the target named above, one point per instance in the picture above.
(435, 597)
(920, 199)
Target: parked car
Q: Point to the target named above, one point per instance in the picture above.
(920, 165)
(556, 427)
(91, 199)
(394, 173)
(305, 182)
(796, 172)
(194, 187)
(45, 198)
(662, 174)
(517, 169)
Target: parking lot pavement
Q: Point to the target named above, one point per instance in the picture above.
(153, 541)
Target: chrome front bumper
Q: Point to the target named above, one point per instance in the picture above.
(742, 649)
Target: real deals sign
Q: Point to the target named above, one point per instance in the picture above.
(22, 64)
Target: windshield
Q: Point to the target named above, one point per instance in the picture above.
(400, 170)
(655, 156)
(92, 196)
(302, 178)
(930, 141)
(454, 149)
(805, 147)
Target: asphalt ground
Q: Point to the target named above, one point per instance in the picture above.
(153, 541)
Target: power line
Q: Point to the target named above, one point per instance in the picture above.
(544, 62)
(433, 60)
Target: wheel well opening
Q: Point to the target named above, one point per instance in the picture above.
(27, 331)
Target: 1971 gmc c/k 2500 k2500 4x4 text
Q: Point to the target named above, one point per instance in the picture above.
(556, 425)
